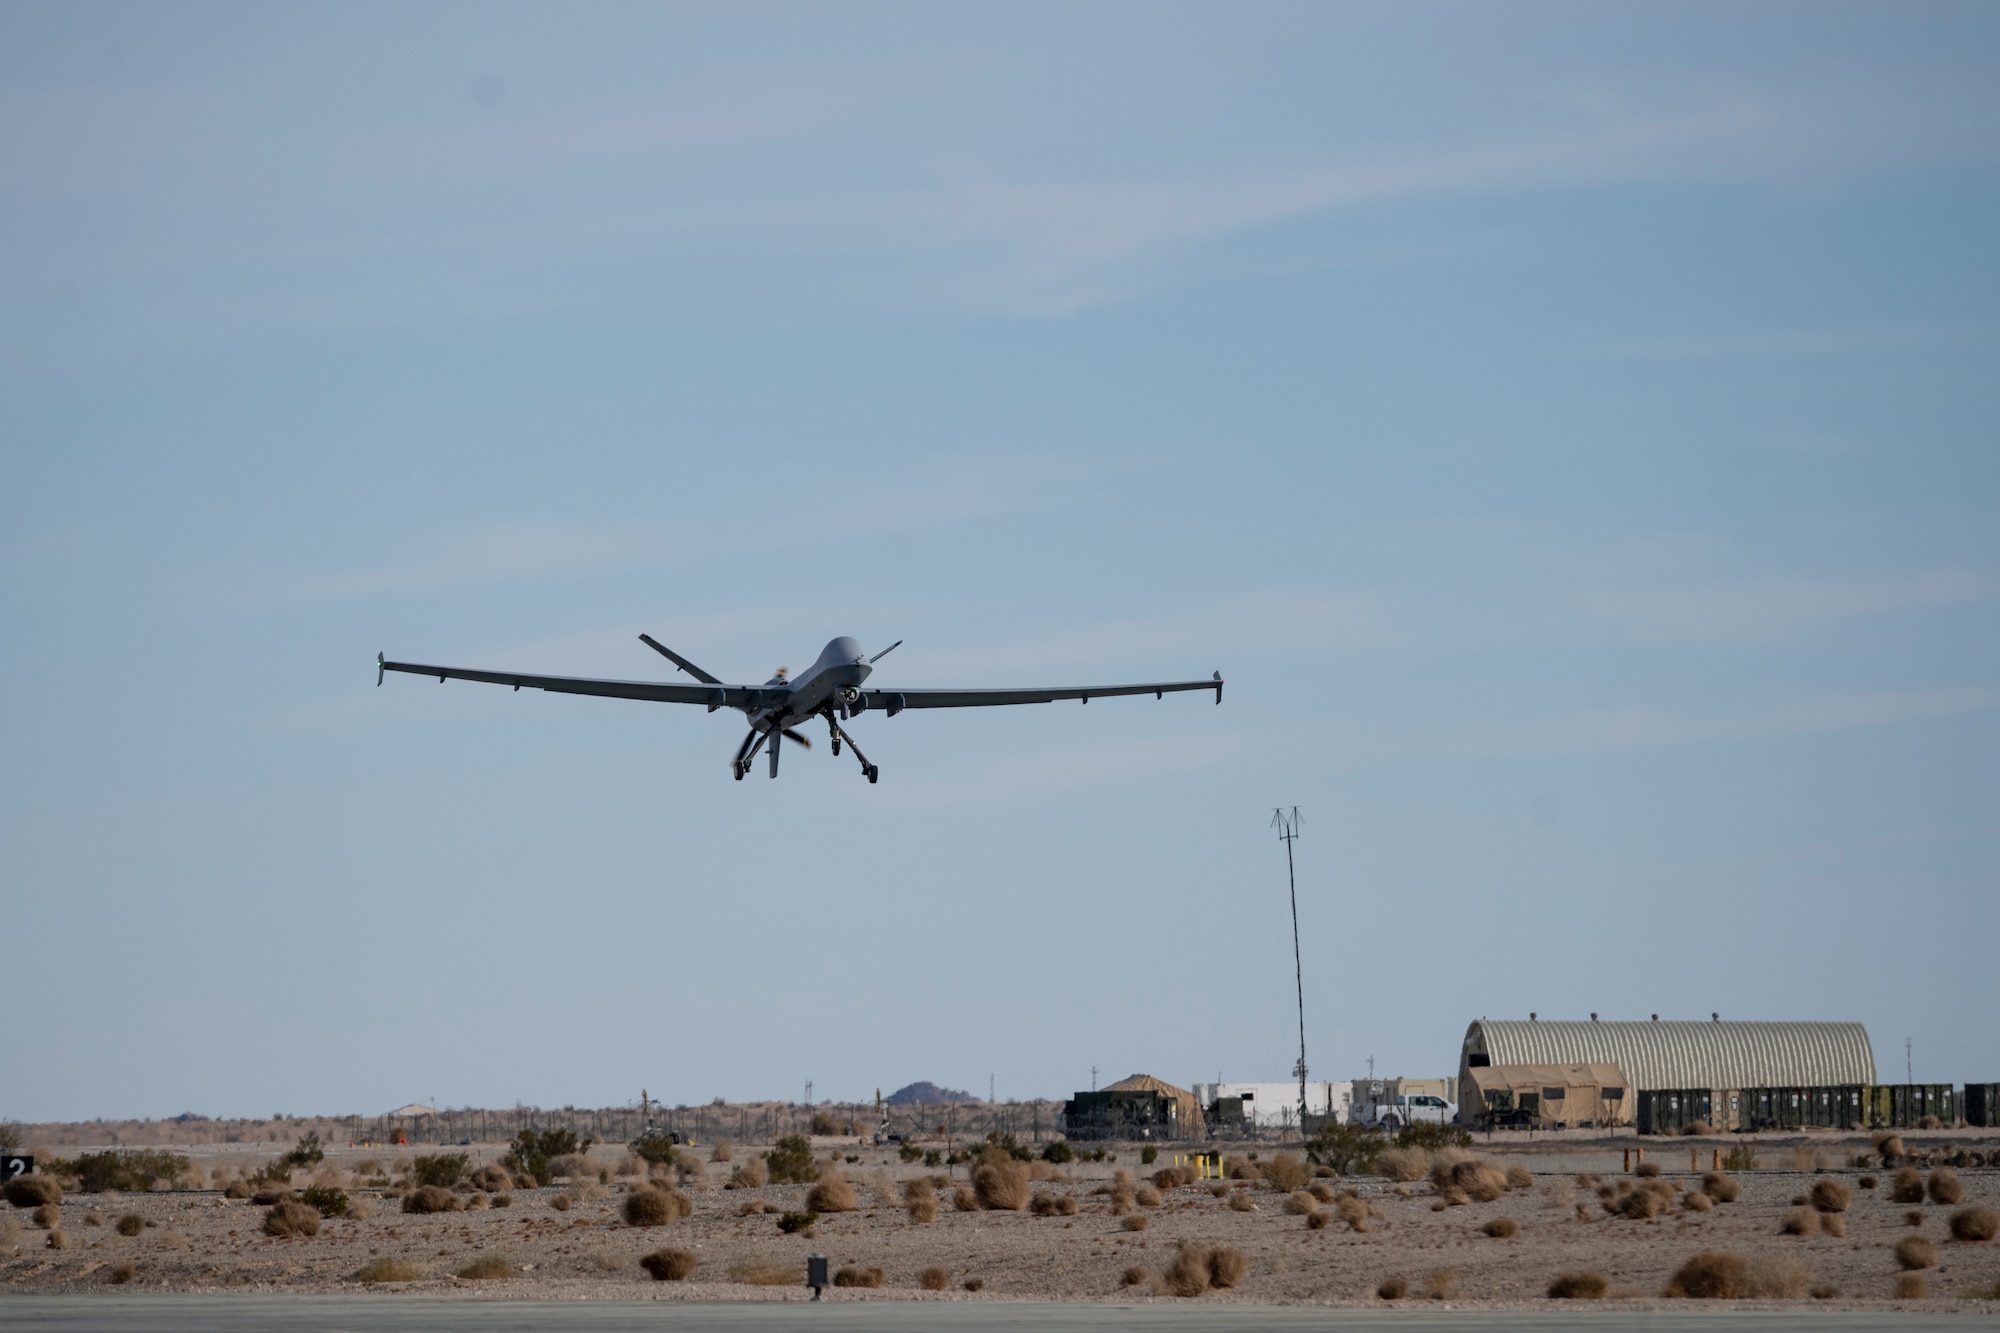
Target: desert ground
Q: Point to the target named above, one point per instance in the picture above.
(1092, 1237)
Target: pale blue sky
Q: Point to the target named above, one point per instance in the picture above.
(1571, 429)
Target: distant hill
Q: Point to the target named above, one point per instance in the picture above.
(925, 1094)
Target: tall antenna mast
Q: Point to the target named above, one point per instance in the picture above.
(1287, 823)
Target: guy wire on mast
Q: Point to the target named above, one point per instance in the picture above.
(1287, 824)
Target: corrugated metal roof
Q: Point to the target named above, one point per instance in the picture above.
(1688, 1055)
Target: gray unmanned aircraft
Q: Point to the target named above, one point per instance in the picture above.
(831, 688)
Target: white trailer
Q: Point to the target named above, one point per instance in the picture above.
(1276, 1105)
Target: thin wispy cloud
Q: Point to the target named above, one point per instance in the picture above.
(1611, 730)
(1771, 610)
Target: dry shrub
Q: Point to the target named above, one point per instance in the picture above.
(1287, 1171)
(1392, 1289)
(1299, 1203)
(1001, 1186)
(1929, 1122)
(131, 1224)
(487, 1268)
(1800, 1222)
(388, 1270)
(1912, 1287)
(498, 1201)
(648, 1207)
(1866, 1182)
(1520, 1178)
(860, 1277)
(1646, 1170)
(723, 1151)
(236, 1189)
(1318, 1219)
(1721, 1188)
(492, 1179)
(289, 1217)
(264, 1198)
(1480, 1181)
(750, 1175)
(48, 1217)
(1046, 1204)
(431, 1199)
(833, 1194)
(1403, 1163)
(1833, 1224)
(934, 1278)
(609, 1262)
(574, 1166)
(1352, 1211)
(1441, 1284)
(965, 1199)
(1640, 1205)
(975, 1284)
(1695, 1129)
(1452, 1197)
(1887, 1142)
(671, 1265)
(1976, 1223)
(1697, 1202)
(1148, 1197)
(1711, 1275)
(1133, 1276)
(1913, 1217)
(1777, 1277)
(1830, 1196)
(1805, 1157)
(1188, 1275)
(1240, 1202)
(122, 1273)
(1135, 1221)
(759, 1271)
(1945, 1186)
(1914, 1252)
(58, 1239)
(33, 1191)
(1226, 1267)
(920, 1200)
(1322, 1191)
(1578, 1287)
(562, 1202)
(1500, 1228)
(1907, 1185)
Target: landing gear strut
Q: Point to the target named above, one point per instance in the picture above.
(868, 770)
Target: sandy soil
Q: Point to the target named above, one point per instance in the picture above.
(199, 1241)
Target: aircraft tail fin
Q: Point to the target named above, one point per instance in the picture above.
(678, 660)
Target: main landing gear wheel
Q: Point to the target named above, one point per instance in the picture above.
(872, 772)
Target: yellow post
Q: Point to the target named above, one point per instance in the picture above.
(1715, 1159)
(1694, 1159)
(1628, 1161)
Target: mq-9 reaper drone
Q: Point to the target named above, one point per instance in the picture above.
(832, 688)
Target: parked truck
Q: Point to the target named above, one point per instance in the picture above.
(1393, 1112)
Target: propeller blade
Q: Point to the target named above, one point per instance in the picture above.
(791, 735)
(885, 652)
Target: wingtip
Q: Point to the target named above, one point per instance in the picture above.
(378, 671)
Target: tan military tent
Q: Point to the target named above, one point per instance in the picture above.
(1557, 1094)
(1187, 1108)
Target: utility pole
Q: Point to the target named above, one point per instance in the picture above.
(1909, 1066)
(1288, 833)
(1093, 1078)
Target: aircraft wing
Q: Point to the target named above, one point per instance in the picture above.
(895, 701)
(714, 696)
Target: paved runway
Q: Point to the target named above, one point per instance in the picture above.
(348, 1314)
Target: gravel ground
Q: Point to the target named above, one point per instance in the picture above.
(201, 1242)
